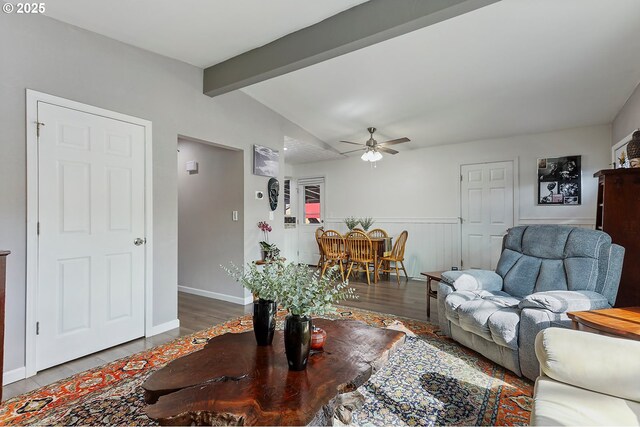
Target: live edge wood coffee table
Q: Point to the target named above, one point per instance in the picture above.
(233, 381)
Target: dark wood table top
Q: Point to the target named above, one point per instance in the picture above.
(234, 381)
(435, 275)
(3, 253)
(623, 322)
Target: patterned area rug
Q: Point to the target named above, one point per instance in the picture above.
(429, 381)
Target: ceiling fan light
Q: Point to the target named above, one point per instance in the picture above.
(376, 156)
(365, 156)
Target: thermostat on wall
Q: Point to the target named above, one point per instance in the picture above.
(259, 195)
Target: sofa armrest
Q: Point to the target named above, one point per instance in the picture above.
(472, 280)
(594, 362)
(563, 301)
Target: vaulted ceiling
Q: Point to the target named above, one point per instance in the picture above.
(513, 67)
(198, 32)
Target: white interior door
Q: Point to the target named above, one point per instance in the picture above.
(310, 217)
(90, 292)
(487, 212)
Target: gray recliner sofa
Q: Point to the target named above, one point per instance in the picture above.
(544, 272)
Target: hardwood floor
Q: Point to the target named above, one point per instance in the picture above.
(197, 313)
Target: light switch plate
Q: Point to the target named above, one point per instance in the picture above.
(234, 215)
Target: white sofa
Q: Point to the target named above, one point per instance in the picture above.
(586, 379)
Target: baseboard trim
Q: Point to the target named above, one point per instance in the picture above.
(163, 327)
(216, 295)
(14, 375)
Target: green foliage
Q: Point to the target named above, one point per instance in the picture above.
(366, 223)
(297, 287)
(305, 293)
(351, 222)
(263, 281)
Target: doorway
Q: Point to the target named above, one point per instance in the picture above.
(210, 218)
(487, 212)
(89, 230)
(311, 216)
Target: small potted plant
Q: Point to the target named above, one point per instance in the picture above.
(304, 292)
(269, 251)
(351, 222)
(265, 283)
(366, 223)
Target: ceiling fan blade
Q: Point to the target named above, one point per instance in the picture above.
(353, 151)
(395, 141)
(387, 150)
(354, 143)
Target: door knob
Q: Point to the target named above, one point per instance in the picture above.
(139, 241)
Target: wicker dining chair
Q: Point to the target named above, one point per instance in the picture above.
(396, 257)
(319, 232)
(360, 250)
(334, 250)
(377, 233)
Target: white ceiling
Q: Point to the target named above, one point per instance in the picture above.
(301, 151)
(199, 32)
(514, 67)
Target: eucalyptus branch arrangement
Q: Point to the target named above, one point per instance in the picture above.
(305, 292)
(264, 282)
(297, 287)
(366, 223)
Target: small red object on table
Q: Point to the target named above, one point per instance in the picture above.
(318, 338)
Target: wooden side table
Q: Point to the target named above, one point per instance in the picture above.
(617, 322)
(431, 275)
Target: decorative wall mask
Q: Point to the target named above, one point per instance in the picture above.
(273, 188)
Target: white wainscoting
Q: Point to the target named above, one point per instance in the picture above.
(433, 243)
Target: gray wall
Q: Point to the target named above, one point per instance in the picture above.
(49, 56)
(207, 235)
(627, 119)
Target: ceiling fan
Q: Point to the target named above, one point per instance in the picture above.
(372, 148)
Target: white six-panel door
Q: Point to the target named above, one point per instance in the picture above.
(90, 292)
(487, 212)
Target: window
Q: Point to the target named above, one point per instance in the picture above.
(312, 204)
(287, 197)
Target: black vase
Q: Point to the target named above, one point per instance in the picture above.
(297, 341)
(264, 320)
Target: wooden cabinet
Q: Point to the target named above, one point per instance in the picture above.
(618, 214)
(3, 271)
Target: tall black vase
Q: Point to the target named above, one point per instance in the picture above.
(264, 320)
(297, 341)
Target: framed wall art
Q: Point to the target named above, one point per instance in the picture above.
(266, 162)
(560, 180)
